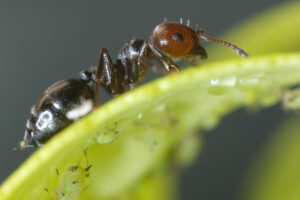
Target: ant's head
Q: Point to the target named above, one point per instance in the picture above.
(178, 41)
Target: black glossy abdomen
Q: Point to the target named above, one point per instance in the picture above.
(61, 104)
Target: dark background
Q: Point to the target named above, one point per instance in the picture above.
(41, 43)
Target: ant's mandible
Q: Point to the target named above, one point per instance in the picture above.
(68, 100)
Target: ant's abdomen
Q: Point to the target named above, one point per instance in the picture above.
(60, 105)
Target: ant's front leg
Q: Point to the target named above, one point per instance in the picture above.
(167, 61)
(107, 74)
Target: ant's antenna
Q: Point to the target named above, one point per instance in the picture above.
(235, 48)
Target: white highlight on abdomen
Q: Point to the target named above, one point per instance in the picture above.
(80, 110)
(44, 120)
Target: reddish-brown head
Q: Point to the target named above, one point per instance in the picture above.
(176, 40)
(180, 41)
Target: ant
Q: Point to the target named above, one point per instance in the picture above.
(68, 100)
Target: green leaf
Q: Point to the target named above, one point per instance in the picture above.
(150, 121)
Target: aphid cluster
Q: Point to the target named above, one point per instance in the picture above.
(68, 100)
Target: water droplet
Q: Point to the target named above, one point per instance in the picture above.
(214, 81)
(247, 82)
(140, 115)
(221, 86)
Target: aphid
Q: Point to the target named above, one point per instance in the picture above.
(61, 104)
(291, 100)
(68, 100)
(71, 182)
(108, 135)
(169, 40)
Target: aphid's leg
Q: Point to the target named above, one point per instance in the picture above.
(88, 168)
(87, 164)
(73, 168)
(51, 195)
(168, 63)
(86, 158)
(235, 48)
(113, 129)
(106, 73)
(57, 172)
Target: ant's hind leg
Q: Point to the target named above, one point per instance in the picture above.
(103, 58)
(105, 74)
(105, 66)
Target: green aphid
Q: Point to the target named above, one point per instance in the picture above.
(71, 183)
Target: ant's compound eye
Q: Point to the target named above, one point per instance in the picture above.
(175, 39)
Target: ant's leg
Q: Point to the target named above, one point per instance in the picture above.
(105, 65)
(145, 61)
(120, 74)
(103, 58)
(97, 98)
(162, 56)
(105, 73)
(141, 67)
